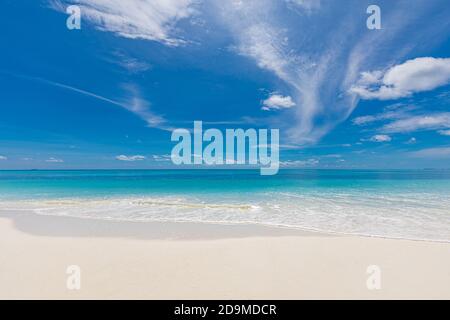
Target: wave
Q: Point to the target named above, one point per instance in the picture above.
(399, 216)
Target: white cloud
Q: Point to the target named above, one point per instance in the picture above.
(316, 74)
(133, 102)
(277, 102)
(141, 107)
(307, 5)
(419, 122)
(444, 132)
(164, 157)
(360, 121)
(403, 80)
(54, 160)
(337, 156)
(319, 74)
(300, 163)
(135, 19)
(411, 141)
(440, 152)
(3, 158)
(380, 138)
(132, 65)
(310, 73)
(130, 158)
(398, 113)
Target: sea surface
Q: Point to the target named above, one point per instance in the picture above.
(408, 204)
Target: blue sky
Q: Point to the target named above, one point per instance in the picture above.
(107, 96)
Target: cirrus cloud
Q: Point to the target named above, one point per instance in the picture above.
(134, 19)
(444, 132)
(300, 163)
(420, 122)
(54, 160)
(438, 152)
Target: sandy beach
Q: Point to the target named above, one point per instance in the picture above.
(129, 260)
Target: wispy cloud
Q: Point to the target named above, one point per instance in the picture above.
(406, 119)
(388, 114)
(300, 163)
(319, 75)
(304, 5)
(321, 80)
(132, 102)
(54, 160)
(130, 64)
(3, 158)
(265, 38)
(162, 158)
(440, 152)
(444, 132)
(135, 19)
(130, 158)
(141, 107)
(419, 122)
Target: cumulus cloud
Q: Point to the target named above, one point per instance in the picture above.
(403, 80)
(54, 160)
(419, 122)
(380, 138)
(134, 19)
(411, 141)
(130, 158)
(277, 102)
(3, 158)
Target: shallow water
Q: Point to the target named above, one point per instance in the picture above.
(410, 204)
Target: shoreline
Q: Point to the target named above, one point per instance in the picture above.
(65, 226)
(127, 260)
(227, 230)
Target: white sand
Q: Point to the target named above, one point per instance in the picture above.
(185, 261)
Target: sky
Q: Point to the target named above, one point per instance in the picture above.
(109, 94)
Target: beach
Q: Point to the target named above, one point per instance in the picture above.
(165, 260)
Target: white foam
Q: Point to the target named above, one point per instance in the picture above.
(404, 216)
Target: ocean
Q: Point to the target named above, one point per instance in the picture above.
(406, 204)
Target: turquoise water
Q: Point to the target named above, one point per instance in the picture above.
(411, 204)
